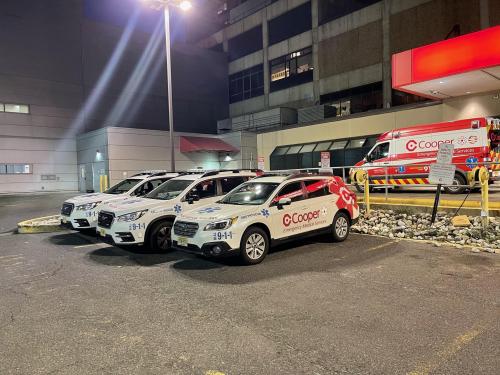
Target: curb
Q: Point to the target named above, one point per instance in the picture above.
(44, 224)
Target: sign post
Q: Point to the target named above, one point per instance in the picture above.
(441, 173)
(325, 159)
(260, 163)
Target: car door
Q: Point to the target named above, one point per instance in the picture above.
(288, 220)
(205, 192)
(320, 203)
(229, 183)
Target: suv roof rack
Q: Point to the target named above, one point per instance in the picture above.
(214, 172)
(296, 173)
(157, 172)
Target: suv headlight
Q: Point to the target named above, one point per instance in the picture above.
(87, 206)
(132, 216)
(221, 224)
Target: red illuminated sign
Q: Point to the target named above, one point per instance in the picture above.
(466, 53)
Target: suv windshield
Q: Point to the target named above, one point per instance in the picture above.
(169, 190)
(250, 193)
(122, 187)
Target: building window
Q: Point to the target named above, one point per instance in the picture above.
(16, 169)
(246, 84)
(244, 44)
(329, 10)
(294, 22)
(355, 100)
(291, 70)
(14, 108)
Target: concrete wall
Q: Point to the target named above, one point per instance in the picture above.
(133, 150)
(460, 108)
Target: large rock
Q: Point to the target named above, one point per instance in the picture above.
(460, 221)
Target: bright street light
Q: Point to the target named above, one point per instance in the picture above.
(166, 4)
(185, 5)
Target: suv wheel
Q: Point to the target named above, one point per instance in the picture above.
(160, 237)
(340, 227)
(254, 246)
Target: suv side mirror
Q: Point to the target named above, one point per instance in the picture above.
(192, 198)
(283, 202)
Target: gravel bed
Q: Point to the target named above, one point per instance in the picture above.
(418, 226)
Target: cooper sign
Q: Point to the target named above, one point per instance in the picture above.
(297, 218)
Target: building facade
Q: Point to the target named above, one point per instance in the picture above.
(316, 75)
(68, 69)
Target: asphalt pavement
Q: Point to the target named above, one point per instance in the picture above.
(370, 305)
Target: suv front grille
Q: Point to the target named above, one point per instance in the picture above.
(105, 219)
(67, 209)
(185, 228)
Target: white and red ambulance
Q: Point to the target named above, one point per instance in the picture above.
(402, 156)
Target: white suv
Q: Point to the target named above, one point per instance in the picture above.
(267, 210)
(148, 220)
(80, 212)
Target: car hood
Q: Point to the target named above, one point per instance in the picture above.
(216, 211)
(134, 204)
(93, 197)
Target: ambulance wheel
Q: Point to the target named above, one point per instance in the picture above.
(161, 236)
(361, 188)
(254, 246)
(341, 226)
(458, 180)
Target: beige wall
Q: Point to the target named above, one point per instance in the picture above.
(455, 109)
(352, 50)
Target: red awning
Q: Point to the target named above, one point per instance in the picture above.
(193, 144)
(468, 64)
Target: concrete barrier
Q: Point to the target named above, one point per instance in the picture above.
(44, 224)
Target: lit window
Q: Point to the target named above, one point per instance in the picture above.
(294, 150)
(323, 146)
(308, 148)
(15, 169)
(356, 143)
(295, 63)
(2, 108)
(16, 108)
(338, 145)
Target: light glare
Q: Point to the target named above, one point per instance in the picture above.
(185, 5)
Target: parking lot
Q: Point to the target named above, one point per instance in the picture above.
(72, 305)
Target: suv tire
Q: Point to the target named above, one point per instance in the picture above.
(341, 226)
(254, 246)
(160, 237)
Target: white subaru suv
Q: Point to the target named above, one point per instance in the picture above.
(267, 210)
(80, 212)
(148, 220)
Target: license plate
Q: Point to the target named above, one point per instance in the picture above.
(182, 241)
(102, 232)
(64, 220)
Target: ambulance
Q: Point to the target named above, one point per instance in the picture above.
(402, 156)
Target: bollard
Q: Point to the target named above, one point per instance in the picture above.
(366, 182)
(484, 176)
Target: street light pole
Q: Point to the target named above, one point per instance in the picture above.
(184, 5)
(169, 87)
